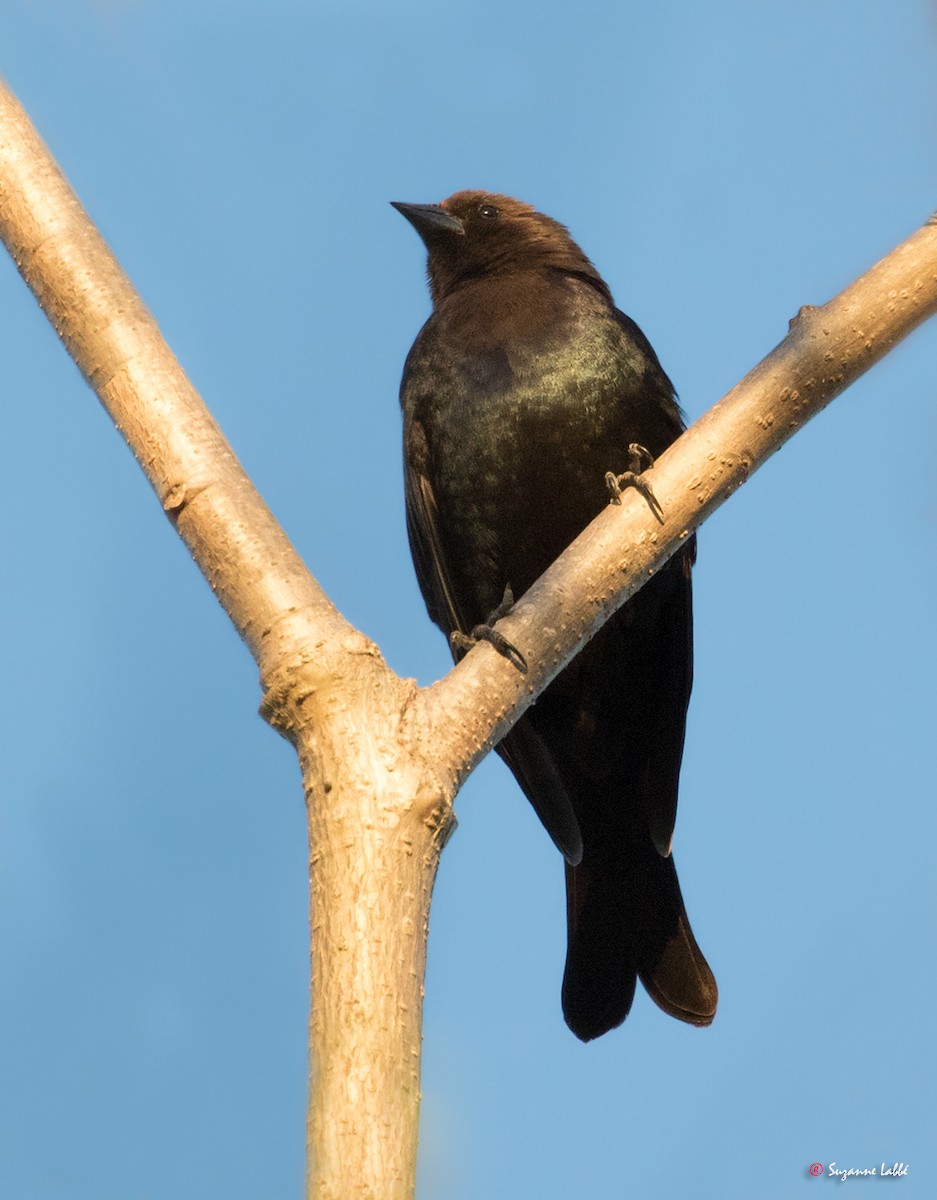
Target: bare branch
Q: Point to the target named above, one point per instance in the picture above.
(382, 759)
(825, 350)
(117, 345)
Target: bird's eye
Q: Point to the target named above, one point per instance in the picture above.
(489, 211)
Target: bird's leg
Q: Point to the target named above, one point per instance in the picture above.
(639, 459)
(487, 633)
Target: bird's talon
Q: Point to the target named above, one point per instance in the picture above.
(463, 642)
(639, 460)
(486, 632)
(507, 603)
(460, 641)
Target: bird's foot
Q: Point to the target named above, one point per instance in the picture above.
(487, 633)
(639, 460)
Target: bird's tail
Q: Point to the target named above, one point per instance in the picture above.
(626, 921)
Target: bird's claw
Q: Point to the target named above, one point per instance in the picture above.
(507, 603)
(639, 459)
(486, 632)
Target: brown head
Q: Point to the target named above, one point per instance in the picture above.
(481, 233)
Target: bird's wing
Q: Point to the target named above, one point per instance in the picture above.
(662, 636)
(521, 748)
(533, 767)
(424, 532)
(661, 417)
(614, 720)
(667, 701)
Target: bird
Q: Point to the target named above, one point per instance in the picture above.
(522, 391)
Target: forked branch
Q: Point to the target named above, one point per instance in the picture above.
(381, 758)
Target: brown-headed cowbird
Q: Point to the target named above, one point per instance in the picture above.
(525, 386)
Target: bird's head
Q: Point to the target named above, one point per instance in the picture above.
(476, 233)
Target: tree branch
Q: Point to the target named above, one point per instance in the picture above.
(826, 349)
(115, 342)
(382, 759)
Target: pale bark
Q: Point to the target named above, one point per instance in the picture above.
(381, 758)
(825, 350)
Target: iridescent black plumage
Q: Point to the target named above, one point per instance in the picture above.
(524, 387)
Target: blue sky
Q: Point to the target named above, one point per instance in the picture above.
(722, 165)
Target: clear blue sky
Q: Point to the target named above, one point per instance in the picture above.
(722, 164)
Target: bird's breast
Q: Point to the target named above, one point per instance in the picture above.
(526, 404)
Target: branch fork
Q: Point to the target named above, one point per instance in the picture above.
(381, 758)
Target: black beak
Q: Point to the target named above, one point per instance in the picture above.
(429, 220)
